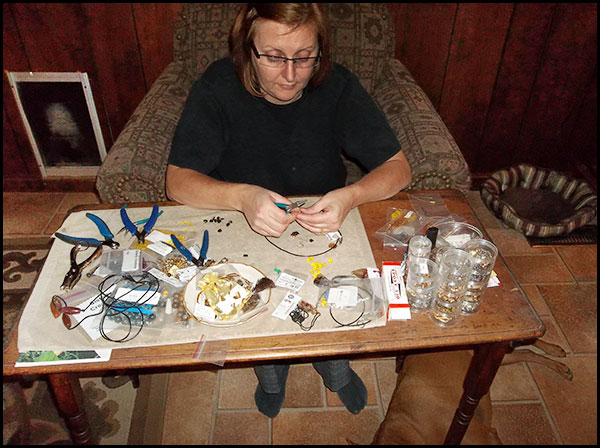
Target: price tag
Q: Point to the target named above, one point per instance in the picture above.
(186, 274)
(202, 311)
(289, 281)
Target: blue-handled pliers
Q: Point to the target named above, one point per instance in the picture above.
(132, 228)
(87, 242)
(201, 260)
(289, 207)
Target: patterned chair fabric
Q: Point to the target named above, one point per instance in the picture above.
(362, 39)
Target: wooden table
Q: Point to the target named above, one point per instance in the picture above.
(506, 315)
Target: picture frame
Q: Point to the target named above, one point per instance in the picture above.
(59, 116)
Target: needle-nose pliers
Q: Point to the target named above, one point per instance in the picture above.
(87, 242)
(132, 228)
(201, 260)
(289, 207)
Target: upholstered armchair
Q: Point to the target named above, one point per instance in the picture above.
(362, 40)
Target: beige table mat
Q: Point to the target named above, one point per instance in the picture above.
(231, 237)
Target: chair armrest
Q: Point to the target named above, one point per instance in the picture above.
(134, 168)
(434, 157)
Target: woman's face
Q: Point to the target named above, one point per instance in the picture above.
(283, 85)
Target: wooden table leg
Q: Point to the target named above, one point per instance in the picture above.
(482, 370)
(69, 399)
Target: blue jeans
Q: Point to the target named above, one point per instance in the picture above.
(336, 373)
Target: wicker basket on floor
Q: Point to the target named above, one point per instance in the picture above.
(539, 202)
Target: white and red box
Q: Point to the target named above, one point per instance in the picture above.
(395, 291)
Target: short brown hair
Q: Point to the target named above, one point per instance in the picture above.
(291, 14)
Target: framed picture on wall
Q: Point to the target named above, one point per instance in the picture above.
(60, 118)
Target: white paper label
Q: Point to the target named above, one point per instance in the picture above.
(343, 296)
(165, 278)
(131, 260)
(290, 282)
(202, 311)
(156, 236)
(160, 248)
(494, 280)
(286, 306)
(186, 274)
(140, 296)
(333, 236)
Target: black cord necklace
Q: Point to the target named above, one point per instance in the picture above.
(331, 247)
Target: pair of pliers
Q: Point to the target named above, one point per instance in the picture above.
(87, 242)
(201, 260)
(289, 207)
(74, 273)
(132, 228)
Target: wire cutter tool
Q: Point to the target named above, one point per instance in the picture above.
(141, 221)
(289, 207)
(74, 273)
(201, 260)
(132, 228)
(87, 242)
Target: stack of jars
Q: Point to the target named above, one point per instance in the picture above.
(448, 281)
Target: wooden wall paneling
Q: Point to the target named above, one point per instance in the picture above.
(154, 23)
(13, 164)
(54, 36)
(18, 158)
(120, 80)
(521, 59)
(425, 44)
(567, 66)
(475, 52)
(583, 140)
(398, 13)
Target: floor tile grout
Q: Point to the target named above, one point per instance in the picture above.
(549, 416)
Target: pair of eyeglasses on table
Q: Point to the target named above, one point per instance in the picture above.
(58, 306)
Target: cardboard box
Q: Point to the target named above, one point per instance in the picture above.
(395, 291)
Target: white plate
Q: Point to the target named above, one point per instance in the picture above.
(250, 273)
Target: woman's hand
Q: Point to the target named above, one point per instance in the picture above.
(328, 213)
(263, 216)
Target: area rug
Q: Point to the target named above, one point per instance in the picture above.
(29, 413)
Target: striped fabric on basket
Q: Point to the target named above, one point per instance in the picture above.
(576, 192)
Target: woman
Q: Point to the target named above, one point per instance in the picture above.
(272, 121)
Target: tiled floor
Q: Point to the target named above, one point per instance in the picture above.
(531, 404)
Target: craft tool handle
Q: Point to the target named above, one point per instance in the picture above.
(127, 222)
(204, 248)
(74, 240)
(181, 248)
(283, 206)
(152, 219)
(104, 230)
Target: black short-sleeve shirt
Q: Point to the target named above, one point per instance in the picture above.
(293, 149)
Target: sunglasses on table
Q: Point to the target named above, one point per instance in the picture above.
(58, 306)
